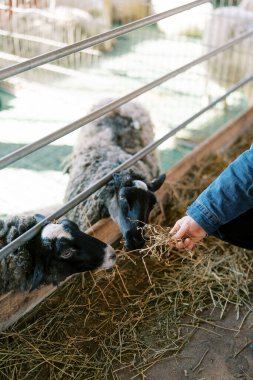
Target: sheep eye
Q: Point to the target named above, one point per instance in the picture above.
(67, 254)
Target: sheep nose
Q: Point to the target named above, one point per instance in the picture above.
(138, 241)
(109, 258)
(134, 241)
(138, 238)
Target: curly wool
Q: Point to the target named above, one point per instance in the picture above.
(103, 145)
(16, 269)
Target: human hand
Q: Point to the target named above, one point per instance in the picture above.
(189, 231)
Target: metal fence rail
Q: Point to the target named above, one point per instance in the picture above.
(97, 185)
(97, 39)
(22, 152)
(84, 44)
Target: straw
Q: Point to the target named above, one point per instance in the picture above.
(146, 309)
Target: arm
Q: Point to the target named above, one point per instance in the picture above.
(230, 195)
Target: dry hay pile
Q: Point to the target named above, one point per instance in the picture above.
(138, 313)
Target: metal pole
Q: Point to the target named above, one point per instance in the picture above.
(22, 152)
(97, 39)
(97, 185)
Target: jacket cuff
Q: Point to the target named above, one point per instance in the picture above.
(203, 217)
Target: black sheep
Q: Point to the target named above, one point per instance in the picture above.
(103, 145)
(58, 251)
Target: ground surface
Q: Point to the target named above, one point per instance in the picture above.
(219, 350)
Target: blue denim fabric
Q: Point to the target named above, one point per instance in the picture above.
(229, 196)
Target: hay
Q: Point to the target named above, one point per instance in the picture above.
(138, 313)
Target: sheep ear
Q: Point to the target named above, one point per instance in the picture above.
(39, 217)
(69, 225)
(38, 274)
(157, 183)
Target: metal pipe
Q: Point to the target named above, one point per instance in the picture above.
(22, 152)
(97, 185)
(97, 39)
(43, 41)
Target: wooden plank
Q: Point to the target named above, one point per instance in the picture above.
(15, 305)
(105, 230)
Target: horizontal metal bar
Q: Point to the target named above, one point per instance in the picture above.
(22, 152)
(47, 67)
(97, 39)
(43, 41)
(97, 185)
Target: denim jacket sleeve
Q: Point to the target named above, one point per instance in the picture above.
(230, 195)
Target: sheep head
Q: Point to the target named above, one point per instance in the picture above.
(133, 199)
(63, 249)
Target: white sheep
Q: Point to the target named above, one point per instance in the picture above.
(97, 13)
(247, 5)
(125, 11)
(58, 251)
(190, 23)
(103, 145)
(63, 23)
(236, 62)
(112, 10)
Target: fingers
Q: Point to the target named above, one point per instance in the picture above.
(180, 230)
(186, 232)
(175, 228)
(188, 244)
(180, 244)
(185, 244)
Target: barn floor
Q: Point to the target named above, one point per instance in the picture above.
(217, 350)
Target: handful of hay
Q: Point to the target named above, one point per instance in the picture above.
(131, 317)
(159, 241)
